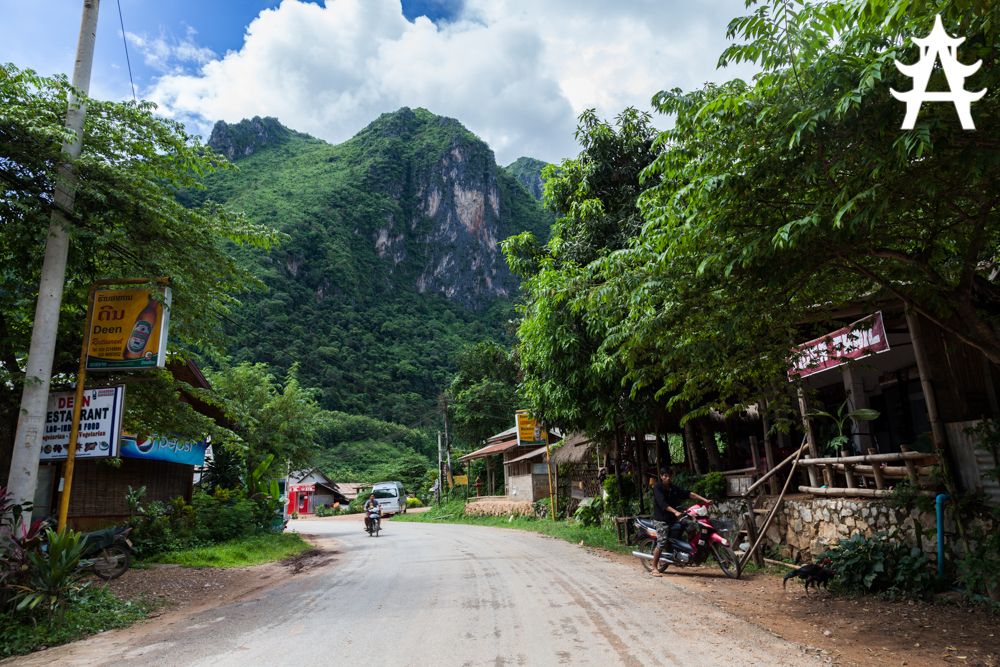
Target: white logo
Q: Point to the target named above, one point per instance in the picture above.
(938, 44)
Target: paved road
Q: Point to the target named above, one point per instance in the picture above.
(446, 595)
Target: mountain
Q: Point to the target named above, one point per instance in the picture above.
(392, 262)
(528, 172)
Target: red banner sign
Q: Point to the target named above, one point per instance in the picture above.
(857, 340)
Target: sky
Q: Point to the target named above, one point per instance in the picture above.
(515, 72)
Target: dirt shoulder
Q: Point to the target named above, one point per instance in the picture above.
(851, 632)
(175, 588)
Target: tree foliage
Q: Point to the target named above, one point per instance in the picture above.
(483, 393)
(126, 221)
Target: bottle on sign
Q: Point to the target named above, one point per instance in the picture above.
(141, 331)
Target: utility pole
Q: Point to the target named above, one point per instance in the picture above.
(440, 476)
(38, 371)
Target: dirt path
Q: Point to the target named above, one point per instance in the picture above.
(852, 632)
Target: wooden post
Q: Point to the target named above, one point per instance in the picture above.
(694, 461)
(911, 467)
(810, 432)
(772, 486)
(876, 473)
(849, 475)
(927, 385)
(813, 476)
(755, 460)
(708, 440)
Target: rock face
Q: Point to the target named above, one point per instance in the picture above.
(528, 172)
(454, 205)
(247, 136)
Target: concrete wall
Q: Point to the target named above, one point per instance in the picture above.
(527, 487)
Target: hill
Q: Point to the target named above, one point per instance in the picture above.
(392, 262)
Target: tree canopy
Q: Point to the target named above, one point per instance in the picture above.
(126, 222)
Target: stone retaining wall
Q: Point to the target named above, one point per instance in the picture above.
(498, 506)
(806, 526)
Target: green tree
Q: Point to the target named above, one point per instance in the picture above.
(126, 221)
(269, 416)
(483, 392)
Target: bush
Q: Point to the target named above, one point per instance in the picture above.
(979, 569)
(224, 515)
(881, 565)
(413, 501)
(52, 576)
(712, 485)
(325, 510)
(590, 511)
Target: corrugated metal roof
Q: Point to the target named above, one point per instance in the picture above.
(488, 450)
(533, 453)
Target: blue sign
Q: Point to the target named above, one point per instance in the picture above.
(164, 449)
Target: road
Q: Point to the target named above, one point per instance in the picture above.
(431, 594)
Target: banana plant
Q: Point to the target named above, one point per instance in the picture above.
(840, 420)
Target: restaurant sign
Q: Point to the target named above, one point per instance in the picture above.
(859, 339)
(100, 423)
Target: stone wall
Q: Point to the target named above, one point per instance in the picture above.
(498, 506)
(806, 526)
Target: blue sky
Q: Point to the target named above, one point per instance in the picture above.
(517, 73)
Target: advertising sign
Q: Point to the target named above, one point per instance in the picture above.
(529, 431)
(128, 330)
(857, 340)
(100, 423)
(163, 449)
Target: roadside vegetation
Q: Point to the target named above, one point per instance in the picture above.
(240, 552)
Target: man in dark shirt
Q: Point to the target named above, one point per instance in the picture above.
(667, 500)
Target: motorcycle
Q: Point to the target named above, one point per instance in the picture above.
(374, 523)
(108, 553)
(703, 539)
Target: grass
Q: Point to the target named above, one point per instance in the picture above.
(601, 537)
(241, 552)
(94, 610)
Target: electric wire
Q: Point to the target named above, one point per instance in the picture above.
(128, 61)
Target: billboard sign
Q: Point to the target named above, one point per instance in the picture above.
(157, 448)
(100, 423)
(128, 330)
(529, 430)
(862, 338)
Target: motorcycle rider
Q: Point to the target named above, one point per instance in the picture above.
(371, 504)
(666, 513)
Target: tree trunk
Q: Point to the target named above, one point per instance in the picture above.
(711, 450)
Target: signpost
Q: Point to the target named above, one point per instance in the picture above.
(142, 328)
(163, 449)
(128, 330)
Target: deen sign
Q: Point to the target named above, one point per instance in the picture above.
(860, 339)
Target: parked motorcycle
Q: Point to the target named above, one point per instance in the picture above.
(703, 539)
(374, 523)
(108, 553)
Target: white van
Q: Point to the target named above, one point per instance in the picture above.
(391, 497)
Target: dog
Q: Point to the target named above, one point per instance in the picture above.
(813, 574)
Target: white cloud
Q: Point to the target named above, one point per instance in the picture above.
(166, 54)
(515, 73)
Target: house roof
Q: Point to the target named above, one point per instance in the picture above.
(574, 449)
(530, 455)
(489, 450)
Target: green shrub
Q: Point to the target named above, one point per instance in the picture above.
(883, 565)
(979, 569)
(324, 510)
(224, 515)
(52, 576)
(413, 501)
(590, 511)
(711, 485)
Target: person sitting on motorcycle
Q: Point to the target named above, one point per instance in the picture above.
(667, 499)
(371, 504)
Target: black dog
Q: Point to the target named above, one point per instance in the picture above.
(813, 574)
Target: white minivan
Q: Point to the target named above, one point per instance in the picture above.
(391, 497)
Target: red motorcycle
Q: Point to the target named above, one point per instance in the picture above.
(699, 538)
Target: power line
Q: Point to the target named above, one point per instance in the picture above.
(128, 62)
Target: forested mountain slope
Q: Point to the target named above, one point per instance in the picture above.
(392, 261)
